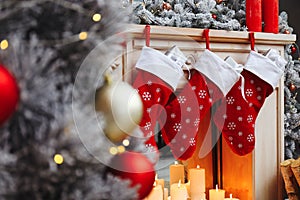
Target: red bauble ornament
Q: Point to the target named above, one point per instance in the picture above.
(292, 87)
(219, 1)
(9, 94)
(166, 6)
(137, 168)
(286, 32)
(214, 16)
(293, 49)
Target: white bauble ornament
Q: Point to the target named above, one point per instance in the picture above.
(122, 107)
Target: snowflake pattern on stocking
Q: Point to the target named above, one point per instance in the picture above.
(201, 107)
(177, 127)
(249, 118)
(196, 122)
(173, 115)
(250, 138)
(231, 125)
(230, 100)
(202, 94)
(148, 110)
(249, 92)
(188, 109)
(181, 99)
(258, 89)
(147, 126)
(146, 96)
(192, 142)
(259, 98)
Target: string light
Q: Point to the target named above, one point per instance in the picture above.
(126, 142)
(4, 44)
(96, 17)
(121, 149)
(83, 35)
(113, 150)
(58, 159)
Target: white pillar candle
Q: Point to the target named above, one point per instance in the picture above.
(156, 193)
(201, 196)
(188, 188)
(197, 179)
(178, 191)
(176, 173)
(166, 193)
(160, 182)
(216, 194)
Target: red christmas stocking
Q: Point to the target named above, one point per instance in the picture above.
(207, 85)
(261, 75)
(157, 78)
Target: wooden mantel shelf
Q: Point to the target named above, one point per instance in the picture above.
(179, 33)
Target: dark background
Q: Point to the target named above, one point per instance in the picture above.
(292, 7)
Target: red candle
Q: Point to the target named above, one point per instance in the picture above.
(253, 15)
(270, 15)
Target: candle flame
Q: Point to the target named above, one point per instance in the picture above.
(217, 188)
(154, 184)
(198, 166)
(179, 183)
(230, 195)
(176, 162)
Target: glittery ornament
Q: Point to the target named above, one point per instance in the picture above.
(292, 87)
(293, 49)
(135, 167)
(166, 6)
(9, 94)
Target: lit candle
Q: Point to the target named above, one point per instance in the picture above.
(270, 15)
(178, 191)
(254, 15)
(156, 193)
(231, 198)
(176, 173)
(166, 193)
(188, 188)
(160, 182)
(216, 194)
(197, 178)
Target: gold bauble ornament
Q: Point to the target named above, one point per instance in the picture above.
(122, 108)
